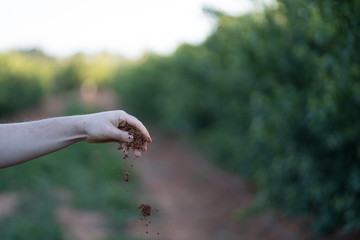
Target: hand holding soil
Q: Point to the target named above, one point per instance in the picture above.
(138, 143)
(117, 126)
(45, 136)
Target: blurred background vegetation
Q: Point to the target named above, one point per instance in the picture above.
(33, 75)
(273, 96)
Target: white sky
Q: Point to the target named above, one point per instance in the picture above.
(64, 27)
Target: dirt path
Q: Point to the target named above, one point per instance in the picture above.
(198, 201)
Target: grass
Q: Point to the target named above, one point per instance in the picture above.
(91, 172)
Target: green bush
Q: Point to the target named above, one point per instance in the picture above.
(274, 97)
(26, 76)
(19, 88)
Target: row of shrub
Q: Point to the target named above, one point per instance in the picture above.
(273, 96)
(26, 76)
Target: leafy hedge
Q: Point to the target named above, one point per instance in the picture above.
(273, 96)
(26, 76)
(20, 82)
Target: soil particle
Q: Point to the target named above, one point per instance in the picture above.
(127, 176)
(145, 209)
(139, 138)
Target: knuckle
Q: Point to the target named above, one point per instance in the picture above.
(122, 113)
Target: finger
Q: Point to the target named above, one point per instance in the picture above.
(137, 153)
(122, 122)
(136, 123)
(120, 136)
(144, 147)
(123, 146)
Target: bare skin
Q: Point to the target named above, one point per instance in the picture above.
(21, 142)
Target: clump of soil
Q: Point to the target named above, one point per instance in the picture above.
(127, 176)
(145, 209)
(139, 138)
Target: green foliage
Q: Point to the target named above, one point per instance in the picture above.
(20, 84)
(26, 76)
(72, 72)
(273, 96)
(34, 220)
(17, 92)
(70, 75)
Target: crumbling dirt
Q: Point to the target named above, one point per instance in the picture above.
(139, 138)
(127, 176)
(145, 209)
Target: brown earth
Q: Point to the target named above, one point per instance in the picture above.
(126, 177)
(197, 200)
(80, 224)
(139, 139)
(145, 210)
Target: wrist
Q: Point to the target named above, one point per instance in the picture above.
(79, 126)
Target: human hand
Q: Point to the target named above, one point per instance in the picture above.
(104, 127)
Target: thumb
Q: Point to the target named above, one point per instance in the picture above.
(121, 136)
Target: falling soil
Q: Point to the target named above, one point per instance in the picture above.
(139, 138)
(145, 209)
(127, 176)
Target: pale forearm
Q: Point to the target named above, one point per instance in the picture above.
(20, 142)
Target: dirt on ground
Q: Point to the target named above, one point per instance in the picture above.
(197, 200)
(81, 224)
